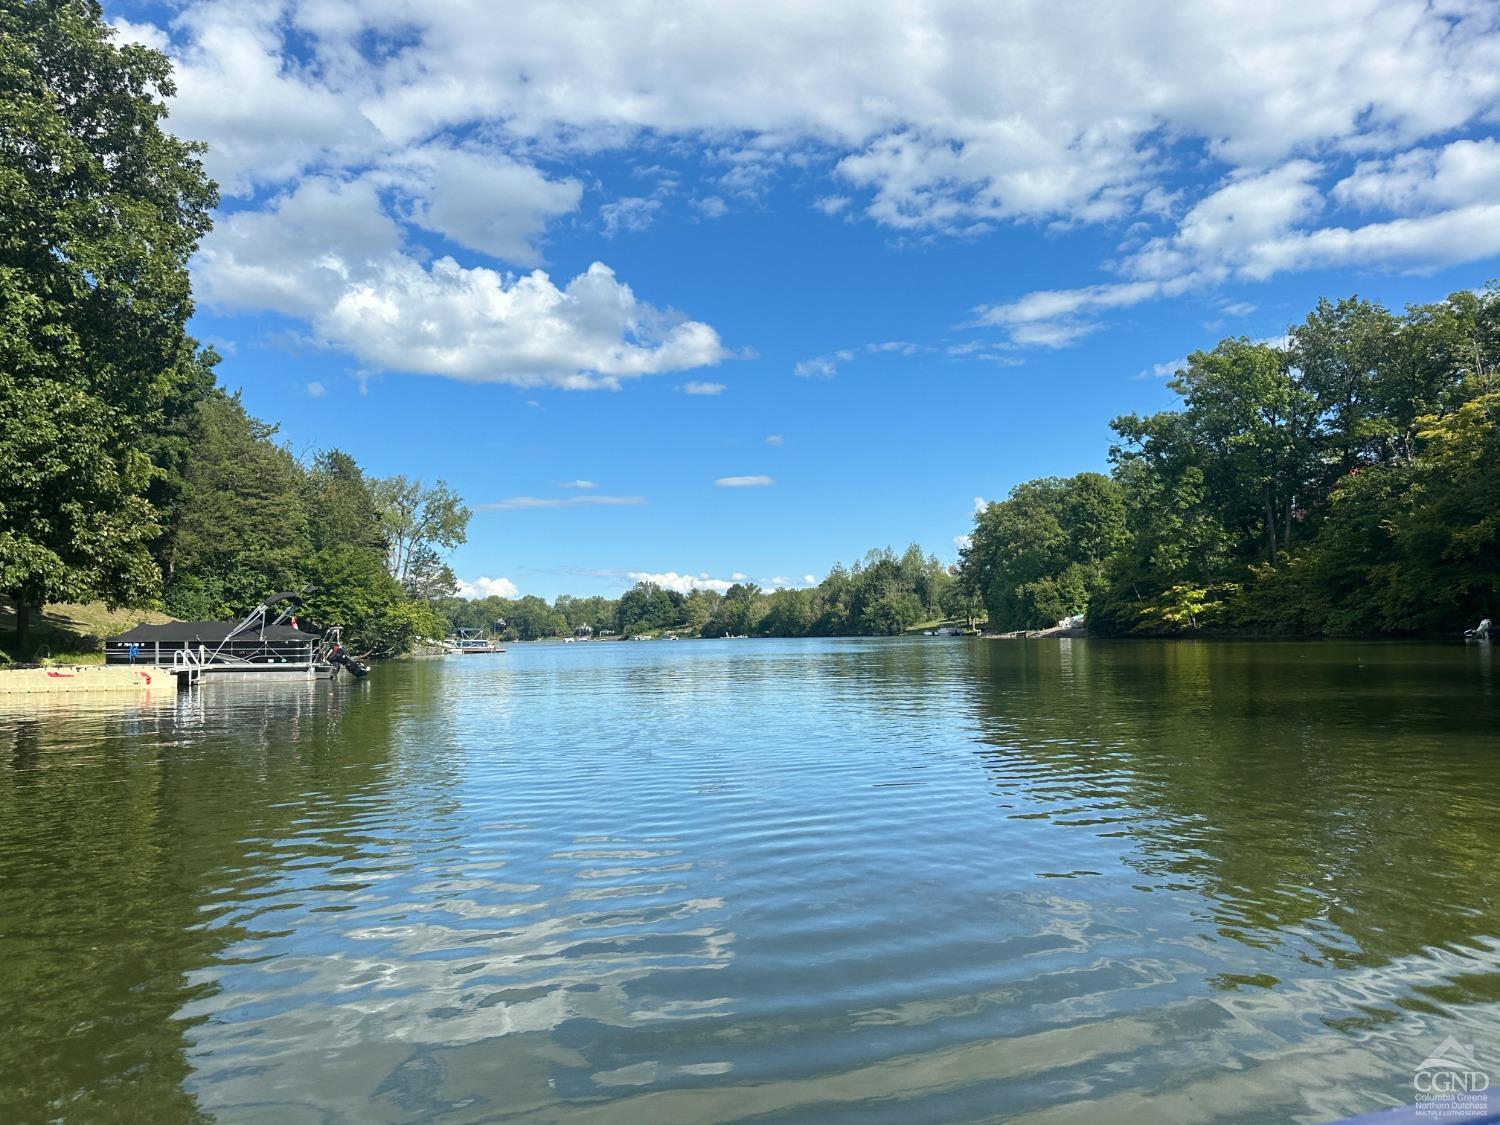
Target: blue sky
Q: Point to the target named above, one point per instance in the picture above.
(813, 278)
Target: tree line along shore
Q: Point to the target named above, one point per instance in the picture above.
(1344, 480)
(883, 594)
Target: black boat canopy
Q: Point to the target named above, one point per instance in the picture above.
(177, 632)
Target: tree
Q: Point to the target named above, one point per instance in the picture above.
(1343, 351)
(890, 614)
(351, 589)
(100, 209)
(697, 608)
(790, 613)
(1039, 555)
(1254, 422)
(342, 511)
(646, 606)
(1174, 537)
(1417, 547)
(961, 600)
(1340, 486)
(530, 619)
(925, 577)
(419, 523)
(835, 591)
(242, 524)
(597, 613)
(736, 613)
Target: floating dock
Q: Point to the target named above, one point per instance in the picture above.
(54, 679)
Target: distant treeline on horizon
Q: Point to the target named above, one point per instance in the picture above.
(881, 595)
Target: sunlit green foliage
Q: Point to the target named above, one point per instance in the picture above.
(352, 589)
(241, 526)
(1037, 557)
(418, 523)
(1348, 482)
(100, 209)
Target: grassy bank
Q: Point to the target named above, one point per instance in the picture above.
(69, 633)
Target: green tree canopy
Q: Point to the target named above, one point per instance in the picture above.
(1039, 555)
(351, 589)
(242, 524)
(100, 209)
(342, 508)
(1344, 484)
(419, 524)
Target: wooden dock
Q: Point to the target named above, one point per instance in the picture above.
(56, 679)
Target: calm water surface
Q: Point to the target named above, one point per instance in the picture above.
(909, 880)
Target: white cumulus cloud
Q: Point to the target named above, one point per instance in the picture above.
(480, 199)
(947, 115)
(483, 587)
(682, 583)
(328, 252)
(1258, 225)
(1235, 125)
(1425, 179)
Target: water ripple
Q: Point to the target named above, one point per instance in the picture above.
(794, 881)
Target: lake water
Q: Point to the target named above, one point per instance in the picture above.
(910, 880)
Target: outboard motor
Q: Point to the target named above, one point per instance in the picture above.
(340, 658)
(357, 668)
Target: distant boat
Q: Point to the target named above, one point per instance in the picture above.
(469, 642)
